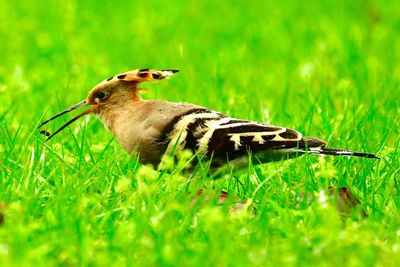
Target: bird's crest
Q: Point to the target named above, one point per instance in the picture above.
(142, 75)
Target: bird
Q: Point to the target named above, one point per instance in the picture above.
(151, 129)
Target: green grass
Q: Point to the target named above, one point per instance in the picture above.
(327, 68)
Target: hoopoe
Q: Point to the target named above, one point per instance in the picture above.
(152, 128)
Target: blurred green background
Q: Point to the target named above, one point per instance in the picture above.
(326, 68)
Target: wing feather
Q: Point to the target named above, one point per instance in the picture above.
(227, 136)
(215, 135)
(252, 137)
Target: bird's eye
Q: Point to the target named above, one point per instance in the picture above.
(100, 95)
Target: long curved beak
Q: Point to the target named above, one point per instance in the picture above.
(80, 104)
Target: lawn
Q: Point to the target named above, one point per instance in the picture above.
(329, 69)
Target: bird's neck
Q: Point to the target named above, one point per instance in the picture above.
(112, 115)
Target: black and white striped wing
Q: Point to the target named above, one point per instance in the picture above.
(231, 138)
(213, 134)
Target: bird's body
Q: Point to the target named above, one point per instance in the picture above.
(142, 129)
(151, 128)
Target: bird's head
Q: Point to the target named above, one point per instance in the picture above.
(113, 91)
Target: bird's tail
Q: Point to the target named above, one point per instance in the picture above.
(342, 152)
(315, 146)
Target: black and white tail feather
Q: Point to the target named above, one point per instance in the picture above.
(341, 152)
(223, 139)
